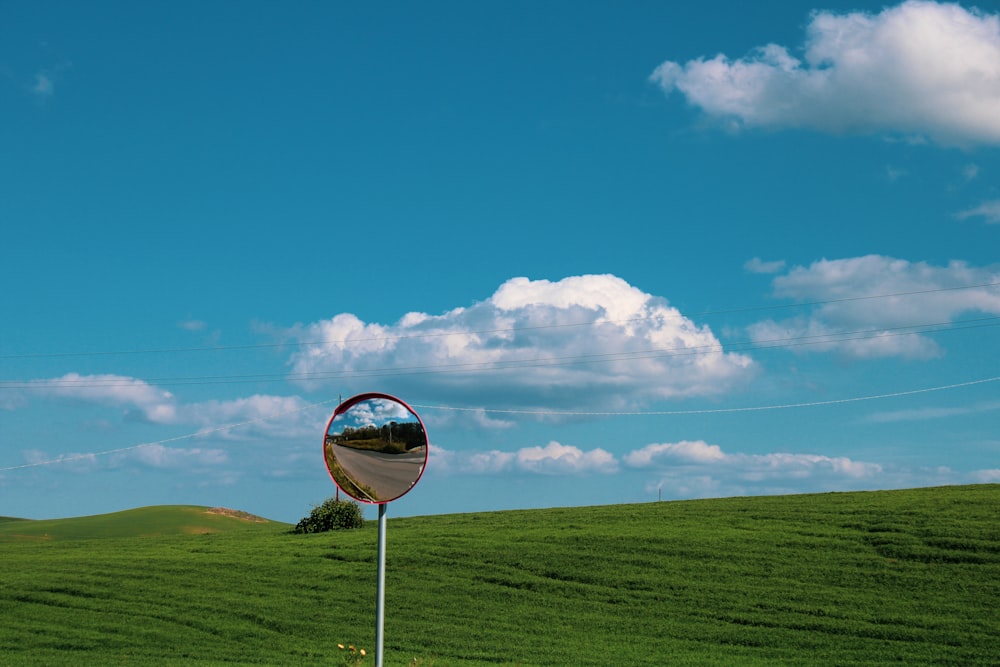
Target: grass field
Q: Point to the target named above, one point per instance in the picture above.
(898, 577)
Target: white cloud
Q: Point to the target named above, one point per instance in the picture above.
(989, 211)
(152, 404)
(689, 468)
(555, 458)
(582, 341)
(256, 416)
(862, 327)
(919, 68)
(753, 467)
(991, 476)
(551, 459)
(757, 265)
(483, 420)
(688, 451)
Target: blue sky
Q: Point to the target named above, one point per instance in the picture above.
(609, 253)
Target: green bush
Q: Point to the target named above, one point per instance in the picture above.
(333, 514)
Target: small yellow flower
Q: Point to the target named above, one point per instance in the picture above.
(340, 646)
(363, 652)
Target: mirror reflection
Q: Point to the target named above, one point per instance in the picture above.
(375, 448)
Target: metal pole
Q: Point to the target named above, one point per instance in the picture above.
(380, 589)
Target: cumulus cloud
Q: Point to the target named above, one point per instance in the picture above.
(922, 69)
(988, 211)
(846, 320)
(690, 451)
(582, 341)
(555, 458)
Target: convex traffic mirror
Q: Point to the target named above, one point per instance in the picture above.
(375, 447)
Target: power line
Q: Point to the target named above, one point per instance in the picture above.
(442, 334)
(711, 411)
(187, 436)
(567, 413)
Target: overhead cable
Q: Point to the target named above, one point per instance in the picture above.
(568, 413)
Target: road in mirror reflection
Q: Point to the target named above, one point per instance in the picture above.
(376, 449)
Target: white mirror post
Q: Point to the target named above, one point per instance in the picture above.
(380, 588)
(375, 449)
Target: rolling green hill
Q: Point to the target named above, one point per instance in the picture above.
(899, 577)
(144, 521)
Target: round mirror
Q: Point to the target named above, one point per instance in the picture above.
(375, 447)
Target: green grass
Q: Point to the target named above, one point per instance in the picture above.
(899, 577)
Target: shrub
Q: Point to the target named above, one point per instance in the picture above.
(333, 514)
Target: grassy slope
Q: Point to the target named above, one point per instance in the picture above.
(905, 577)
(144, 521)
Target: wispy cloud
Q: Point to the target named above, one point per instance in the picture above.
(259, 415)
(893, 174)
(921, 414)
(989, 211)
(160, 456)
(757, 265)
(843, 286)
(43, 86)
(75, 462)
(141, 398)
(192, 325)
(925, 69)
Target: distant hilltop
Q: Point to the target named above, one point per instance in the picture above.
(140, 522)
(238, 514)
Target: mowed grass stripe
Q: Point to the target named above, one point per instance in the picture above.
(901, 577)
